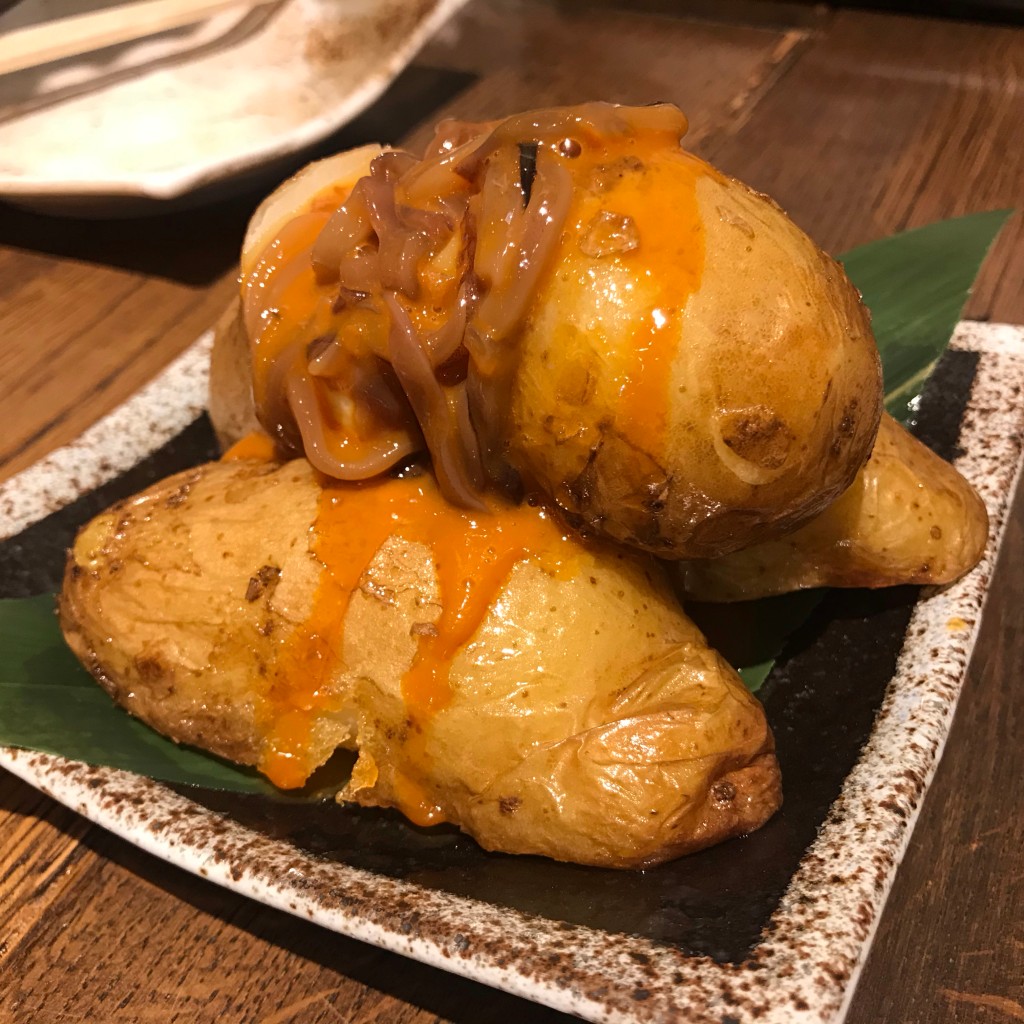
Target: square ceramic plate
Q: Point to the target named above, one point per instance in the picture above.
(770, 928)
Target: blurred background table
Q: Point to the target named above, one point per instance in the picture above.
(860, 124)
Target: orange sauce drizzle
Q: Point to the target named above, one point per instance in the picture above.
(474, 553)
(668, 262)
(663, 205)
(413, 799)
(661, 272)
(293, 305)
(252, 446)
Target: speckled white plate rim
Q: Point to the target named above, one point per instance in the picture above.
(804, 970)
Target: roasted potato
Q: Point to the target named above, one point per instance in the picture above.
(909, 517)
(573, 303)
(714, 386)
(247, 608)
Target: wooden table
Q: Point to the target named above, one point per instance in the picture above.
(860, 125)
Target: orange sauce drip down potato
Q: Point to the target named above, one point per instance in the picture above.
(647, 276)
(473, 552)
(671, 252)
(252, 446)
(284, 289)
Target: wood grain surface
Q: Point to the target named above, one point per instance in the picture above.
(859, 124)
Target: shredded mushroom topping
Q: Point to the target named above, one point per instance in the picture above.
(425, 272)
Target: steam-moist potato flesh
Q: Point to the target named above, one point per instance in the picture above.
(648, 343)
(909, 517)
(565, 707)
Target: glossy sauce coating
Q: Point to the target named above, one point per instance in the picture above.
(289, 315)
(636, 207)
(670, 252)
(391, 325)
(252, 446)
(473, 554)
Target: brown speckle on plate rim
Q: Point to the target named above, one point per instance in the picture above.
(806, 965)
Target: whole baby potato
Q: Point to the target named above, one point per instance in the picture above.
(909, 517)
(587, 719)
(645, 341)
(694, 374)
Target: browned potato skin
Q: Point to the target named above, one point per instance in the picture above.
(775, 388)
(604, 731)
(909, 517)
(156, 598)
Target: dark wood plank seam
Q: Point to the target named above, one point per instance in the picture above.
(136, 282)
(8, 456)
(55, 421)
(742, 108)
(43, 809)
(922, 186)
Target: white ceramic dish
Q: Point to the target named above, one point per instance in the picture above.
(164, 116)
(802, 965)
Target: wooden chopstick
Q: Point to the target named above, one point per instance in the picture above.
(81, 33)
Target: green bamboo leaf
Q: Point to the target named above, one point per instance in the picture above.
(750, 635)
(49, 702)
(916, 284)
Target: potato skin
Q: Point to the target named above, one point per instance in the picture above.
(230, 400)
(160, 604)
(774, 384)
(909, 517)
(590, 721)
